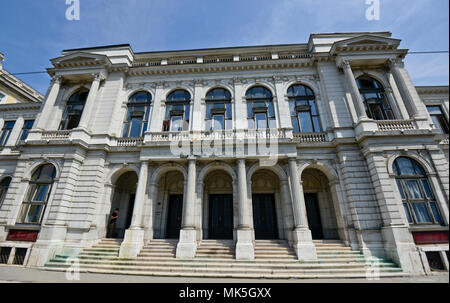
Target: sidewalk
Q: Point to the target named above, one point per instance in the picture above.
(10, 274)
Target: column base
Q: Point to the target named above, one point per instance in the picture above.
(187, 246)
(245, 249)
(132, 243)
(303, 245)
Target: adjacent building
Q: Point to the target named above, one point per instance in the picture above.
(300, 144)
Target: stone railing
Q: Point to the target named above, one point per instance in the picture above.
(265, 133)
(390, 125)
(218, 135)
(445, 140)
(169, 136)
(130, 142)
(310, 137)
(56, 135)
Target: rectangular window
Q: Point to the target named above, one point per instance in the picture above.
(19, 256)
(218, 122)
(176, 124)
(261, 121)
(6, 132)
(438, 118)
(27, 126)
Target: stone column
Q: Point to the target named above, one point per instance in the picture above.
(354, 90)
(406, 94)
(286, 200)
(187, 244)
(134, 236)
(245, 234)
(284, 115)
(49, 103)
(303, 244)
(90, 102)
(197, 117)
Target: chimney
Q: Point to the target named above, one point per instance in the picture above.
(2, 58)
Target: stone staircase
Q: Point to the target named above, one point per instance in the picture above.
(215, 259)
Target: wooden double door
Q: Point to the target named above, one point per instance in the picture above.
(220, 217)
(265, 217)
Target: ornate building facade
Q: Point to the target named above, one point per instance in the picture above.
(303, 146)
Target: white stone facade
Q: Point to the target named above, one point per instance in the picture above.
(347, 165)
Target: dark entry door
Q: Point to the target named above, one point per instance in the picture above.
(313, 213)
(130, 211)
(264, 217)
(174, 216)
(220, 217)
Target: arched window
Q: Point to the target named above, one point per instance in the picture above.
(260, 110)
(36, 198)
(418, 198)
(74, 110)
(178, 110)
(4, 185)
(303, 108)
(375, 101)
(138, 115)
(218, 110)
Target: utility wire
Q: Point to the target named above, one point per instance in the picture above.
(410, 53)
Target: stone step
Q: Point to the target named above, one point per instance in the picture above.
(337, 252)
(106, 249)
(339, 256)
(241, 275)
(214, 263)
(163, 250)
(234, 272)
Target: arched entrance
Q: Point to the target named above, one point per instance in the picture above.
(123, 199)
(267, 217)
(319, 205)
(218, 209)
(169, 206)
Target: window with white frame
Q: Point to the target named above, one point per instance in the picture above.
(138, 115)
(418, 198)
(37, 196)
(218, 110)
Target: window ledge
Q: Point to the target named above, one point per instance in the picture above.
(31, 227)
(428, 228)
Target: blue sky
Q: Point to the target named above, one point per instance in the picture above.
(33, 31)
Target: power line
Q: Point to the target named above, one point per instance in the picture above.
(410, 53)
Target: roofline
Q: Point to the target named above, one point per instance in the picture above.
(98, 47)
(351, 33)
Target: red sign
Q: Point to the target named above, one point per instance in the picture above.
(22, 235)
(431, 237)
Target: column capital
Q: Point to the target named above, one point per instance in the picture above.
(99, 77)
(395, 62)
(57, 79)
(345, 64)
